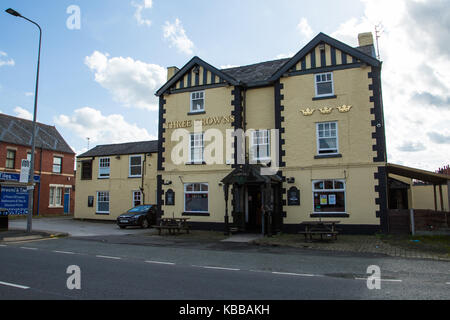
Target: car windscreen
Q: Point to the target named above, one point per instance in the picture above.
(139, 209)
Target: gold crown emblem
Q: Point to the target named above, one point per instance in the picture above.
(344, 108)
(307, 111)
(325, 110)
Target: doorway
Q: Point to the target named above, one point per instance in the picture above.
(67, 200)
(254, 209)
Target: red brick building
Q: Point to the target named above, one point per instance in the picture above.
(54, 163)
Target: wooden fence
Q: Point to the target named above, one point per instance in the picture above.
(424, 220)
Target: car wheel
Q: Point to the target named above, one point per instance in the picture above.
(144, 224)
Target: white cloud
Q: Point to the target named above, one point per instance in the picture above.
(29, 94)
(228, 66)
(23, 113)
(304, 28)
(146, 4)
(284, 55)
(4, 61)
(131, 82)
(176, 35)
(102, 129)
(414, 47)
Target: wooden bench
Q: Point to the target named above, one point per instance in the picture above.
(321, 233)
(174, 225)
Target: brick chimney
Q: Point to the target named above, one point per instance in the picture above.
(366, 43)
(171, 71)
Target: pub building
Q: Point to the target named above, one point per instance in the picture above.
(317, 116)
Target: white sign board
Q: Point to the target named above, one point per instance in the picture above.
(25, 171)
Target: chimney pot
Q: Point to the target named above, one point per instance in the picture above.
(365, 39)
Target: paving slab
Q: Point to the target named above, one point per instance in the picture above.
(243, 238)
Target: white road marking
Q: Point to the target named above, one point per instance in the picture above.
(63, 252)
(448, 283)
(14, 285)
(217, 268)
(2, 245)
(27, 248)
(160, 262)
(295, 274)
(107, 257)
(385, 280)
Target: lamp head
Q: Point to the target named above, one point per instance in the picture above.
(13, 12)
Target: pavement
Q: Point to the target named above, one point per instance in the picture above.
(75, 228)
(198, 271)
(22, 235)
(243, 238)
(108, 231)
(138, 264)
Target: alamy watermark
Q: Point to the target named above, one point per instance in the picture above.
(374, 280)
(73, 22)
(211, 147)
(74, 280)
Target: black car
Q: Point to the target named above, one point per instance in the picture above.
(143, 216)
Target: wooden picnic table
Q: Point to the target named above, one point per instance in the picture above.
(173, 225)
(321, 228)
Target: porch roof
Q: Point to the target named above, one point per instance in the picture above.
(418, 174)
(249, 173)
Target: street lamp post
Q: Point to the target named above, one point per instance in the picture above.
(33, 136)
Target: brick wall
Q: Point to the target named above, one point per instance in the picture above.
(44, 168)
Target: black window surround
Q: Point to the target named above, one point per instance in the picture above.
(196, 214)
(330, 215)
(195, 163)
(324, 98)
(328, 156)
(196, 113)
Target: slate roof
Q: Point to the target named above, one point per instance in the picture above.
(19, 131)
(369, 50)
(122, 148)
(258, 72)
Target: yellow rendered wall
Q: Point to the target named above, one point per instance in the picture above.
(423, 197)
(120, 187)
(216, 200)
(354, 127)
(360, 193)
(355, 143)
(217, 104)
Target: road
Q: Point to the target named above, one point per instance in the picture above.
(123, 268)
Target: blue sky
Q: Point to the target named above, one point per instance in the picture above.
(99, 81)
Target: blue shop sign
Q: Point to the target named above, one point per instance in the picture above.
(14, 200)
(6, 176)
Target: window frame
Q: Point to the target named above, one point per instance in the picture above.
(83, 170)
(100, 167)
(60, 165)
(185, 192)
(133, 193)
(315, 84)
(191, 147)
(334, 190)
(52, 197)
(192, 101)
(11, 159)
(257, 157)
(129, 166)
(97, 211)
(318, 139)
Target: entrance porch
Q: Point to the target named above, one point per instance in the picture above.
(256, 201)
